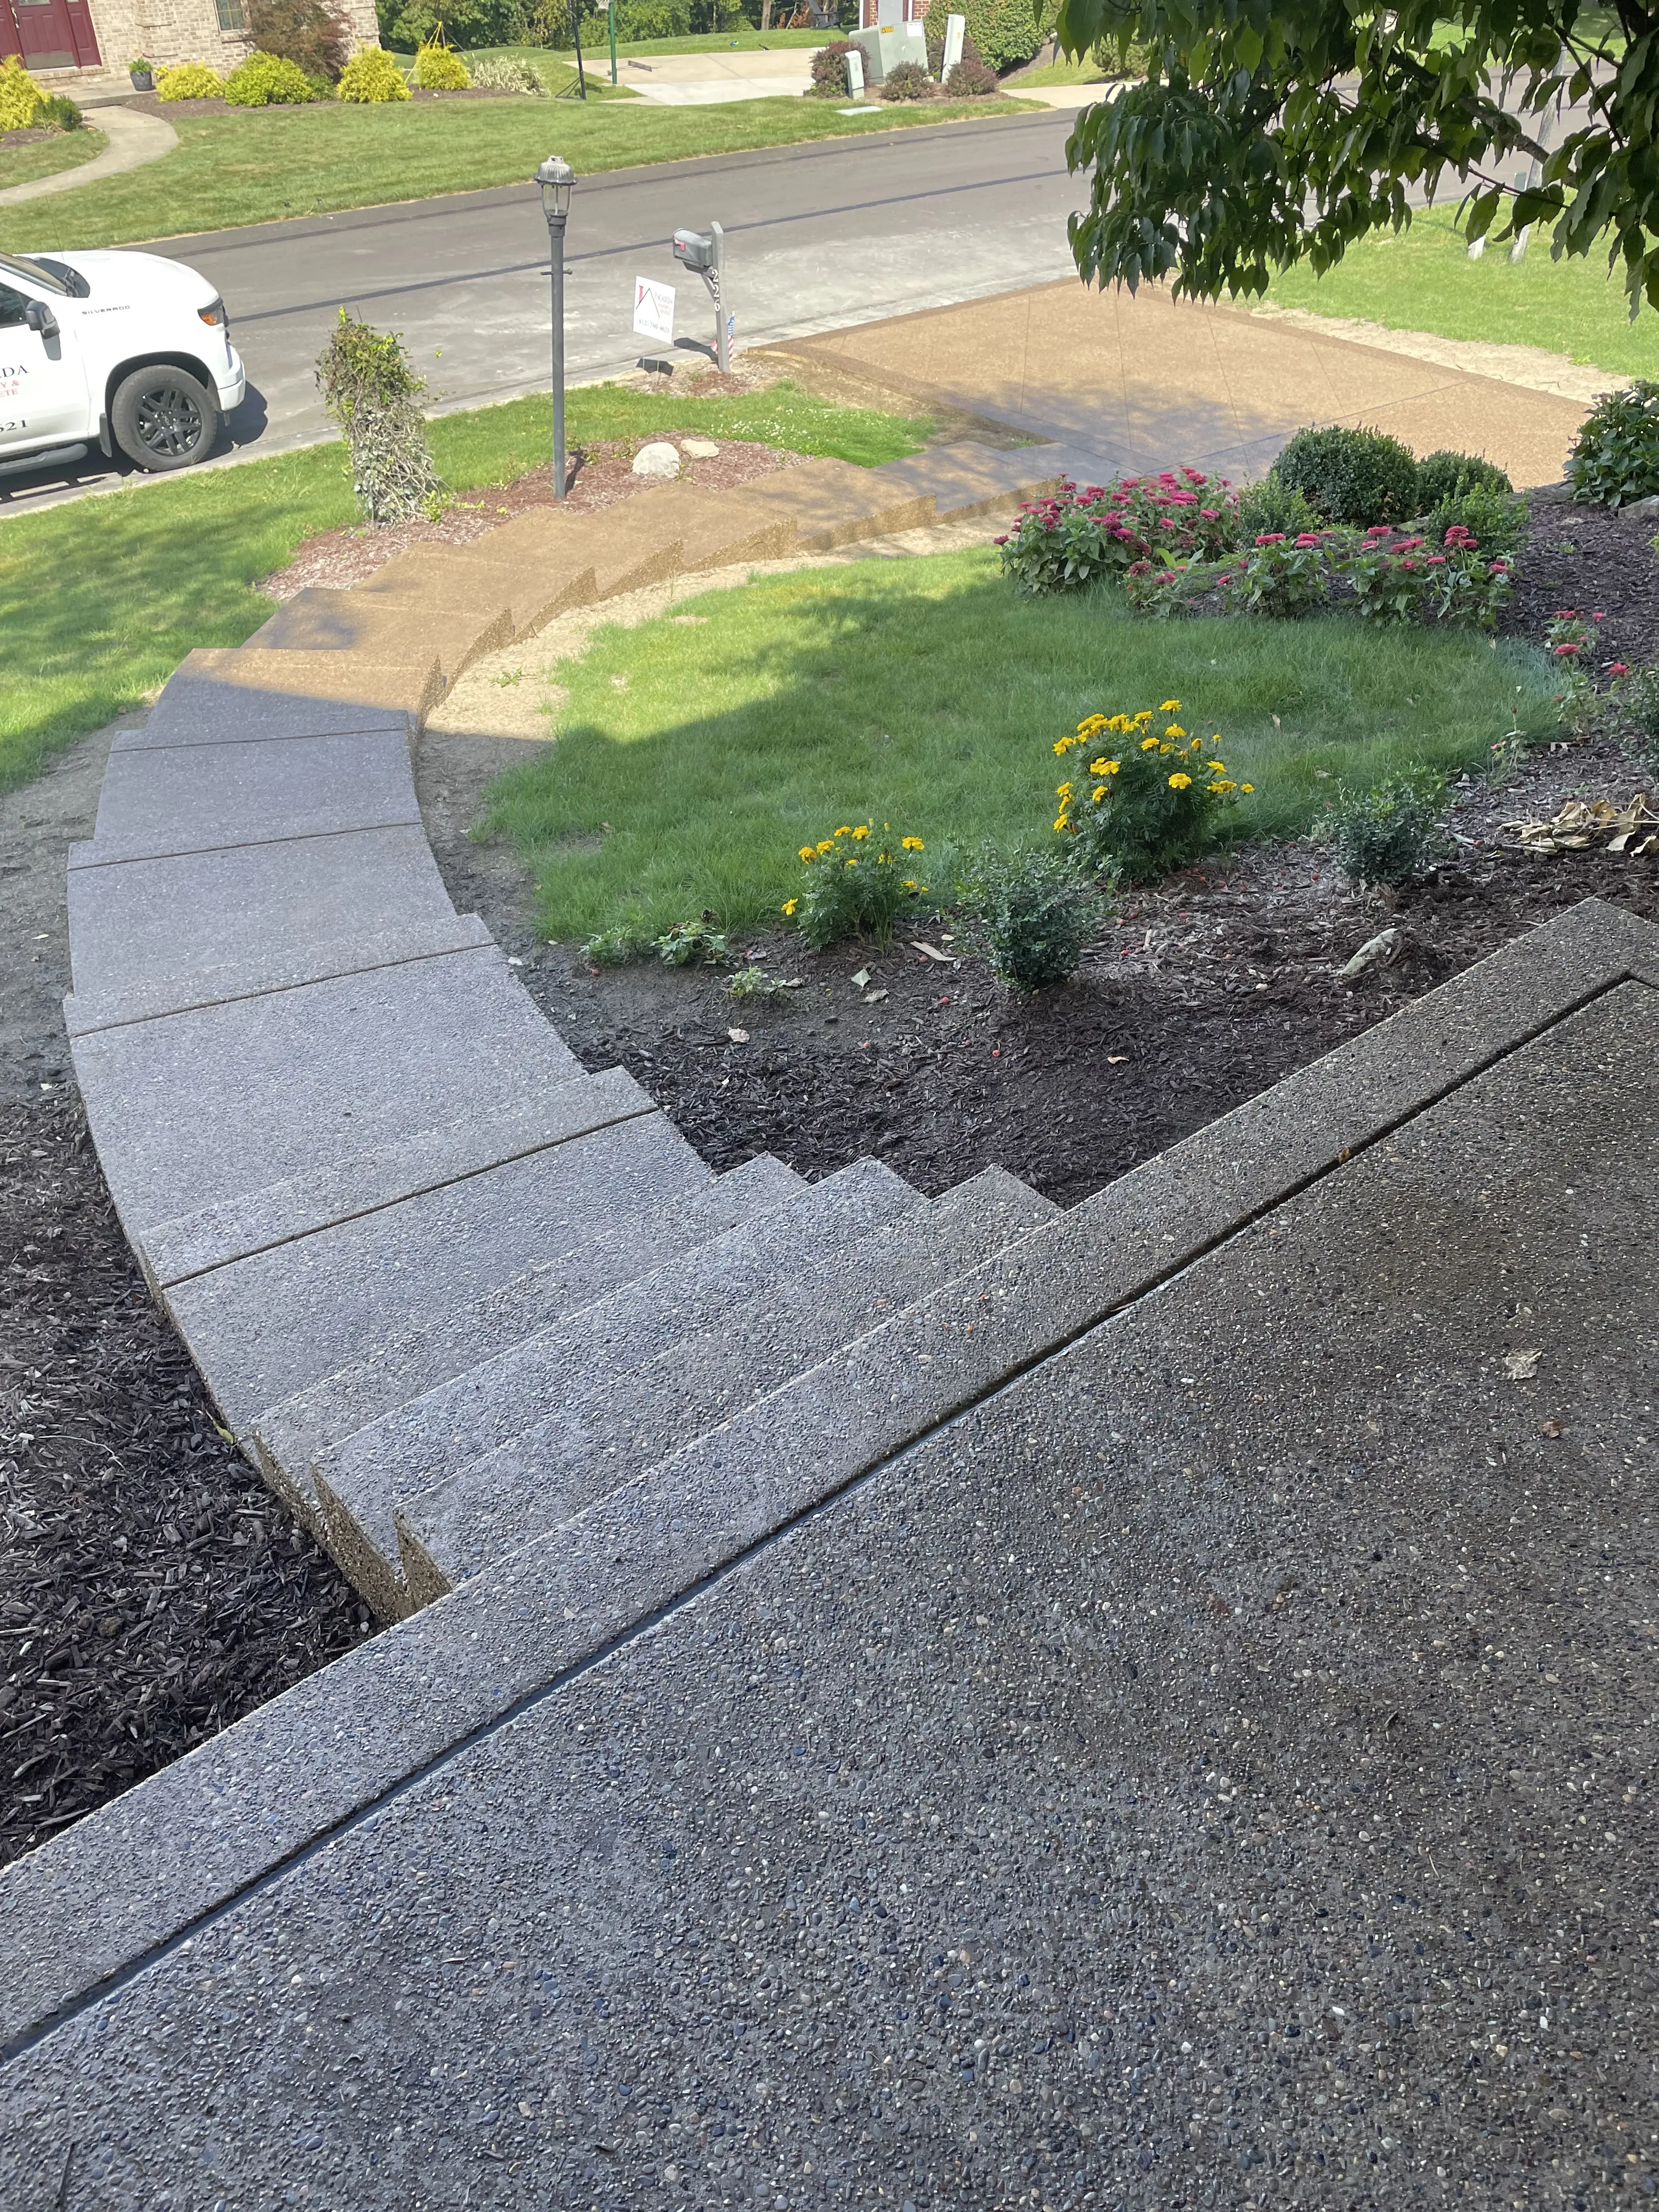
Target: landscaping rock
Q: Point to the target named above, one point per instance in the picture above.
(658, 460)
(699, 449)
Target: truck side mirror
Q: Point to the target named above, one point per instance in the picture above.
(39, 317)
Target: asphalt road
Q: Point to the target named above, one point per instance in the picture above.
(817, 236)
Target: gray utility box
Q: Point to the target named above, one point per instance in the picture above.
(883, 50)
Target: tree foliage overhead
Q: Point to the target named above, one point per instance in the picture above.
(1272, 131)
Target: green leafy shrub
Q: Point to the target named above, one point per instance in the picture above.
(1354, 476)
(189, 80)
(1005, 32)
(268, 81)
(1141, 800)
(1615, 456)
(1284, 577)
(858, 883)
(829, 78)
(307, 33)
(438, 70)
(57, 112)
(971, 81)
(908, 81)
(614, 948)
(1036, 916)
(692, 944)
(1079, 534)
(370, 390)
(1497, 521)
(509, 73)
(21, 98)
(755, 984)
(1446, 476)
(1272, 506)
(371, 78)
(1389, 834)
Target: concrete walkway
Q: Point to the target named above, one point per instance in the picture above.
(135, 138)
(709, 80)
(1150, 382)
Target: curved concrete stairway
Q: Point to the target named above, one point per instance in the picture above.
(450, 1292)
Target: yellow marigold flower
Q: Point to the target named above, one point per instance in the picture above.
(789, 905)
(1062, 791)
(862, 831)
(808, 851)
(1179, 782)
(1098, 768)
(910, 885)
(1098, 794)
(1194, 744)
(1149, 745)
(828, 846)
(1059, 822)
(1174, 730)
(1247, 787)
(1220, 767)
(912, 845)
(1064, 745)
(851, 863)
(1171, 706)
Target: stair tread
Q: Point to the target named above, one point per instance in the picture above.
(599, 1439)
(599, 1348)
(541, 1270)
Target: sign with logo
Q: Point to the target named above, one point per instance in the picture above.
(654, 310)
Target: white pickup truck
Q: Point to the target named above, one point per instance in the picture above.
(121, 351)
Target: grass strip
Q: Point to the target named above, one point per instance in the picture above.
(693, 759)
(101, 598)
(1422, 279)
(270, 165)
(49, 157)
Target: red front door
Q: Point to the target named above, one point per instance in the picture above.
(49, 33)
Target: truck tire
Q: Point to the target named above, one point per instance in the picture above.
(164, 418)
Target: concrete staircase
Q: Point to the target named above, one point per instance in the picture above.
(451, 1292)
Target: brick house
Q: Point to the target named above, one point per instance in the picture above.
(53, 35)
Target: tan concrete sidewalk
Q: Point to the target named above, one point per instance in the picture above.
(1151, 382)
(135, 138)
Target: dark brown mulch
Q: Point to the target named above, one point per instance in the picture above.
(1592, 560)
(1203, 992)
(602, 474)
(34, 136)
(151, 1589)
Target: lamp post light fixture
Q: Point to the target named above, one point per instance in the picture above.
(555, 177)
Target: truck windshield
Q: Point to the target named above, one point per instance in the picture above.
(54, 276)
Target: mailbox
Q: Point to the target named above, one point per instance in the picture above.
(695, 249)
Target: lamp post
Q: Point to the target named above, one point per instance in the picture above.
(556, 178)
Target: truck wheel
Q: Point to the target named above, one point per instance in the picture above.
(163, 418)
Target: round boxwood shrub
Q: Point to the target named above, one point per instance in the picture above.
(1447, 476)
(1354, 476)
(189, 80)
(438, 70)
(1615, 457)
(370, 77)
(908, 81)
(970, 81)
(268, 81)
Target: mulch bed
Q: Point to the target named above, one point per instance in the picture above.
(602, 475)
(170, 110)
(152, 1590)
(1205, 991)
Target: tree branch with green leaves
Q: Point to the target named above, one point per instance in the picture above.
(1264, 135)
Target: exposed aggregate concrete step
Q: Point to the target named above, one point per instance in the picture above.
(620, 557)
(217, 696)
(833, 503)
(600, 1349)
(192, 798)
(598, 1438)
(385, 628)
(530, 594)
(194, 1109)
(152, 936)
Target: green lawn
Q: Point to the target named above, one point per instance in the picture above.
(1422, 279)
(693, 760)
(274, 163)
(101, 599)
(21, 165)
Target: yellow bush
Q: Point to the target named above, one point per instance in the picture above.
(20, 98)
(189, 80)
(371, 76)
(438, 70)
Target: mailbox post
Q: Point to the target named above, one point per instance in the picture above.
(704, 252)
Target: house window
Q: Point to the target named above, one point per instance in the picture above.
(233, 15)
